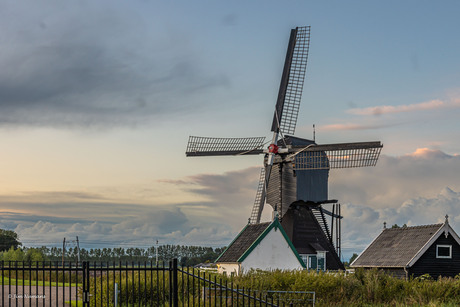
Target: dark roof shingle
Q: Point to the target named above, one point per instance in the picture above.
(242, 242)
(395, 247)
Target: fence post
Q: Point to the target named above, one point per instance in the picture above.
(3, 283)
(171, 291)
(116, 294)
(85, 284)
(175, 284)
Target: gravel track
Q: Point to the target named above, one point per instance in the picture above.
(30, 297)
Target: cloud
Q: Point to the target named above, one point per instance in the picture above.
(355, 126)
(423, 106)
(413, 189)
(362, 224)
(395, 179)
(372, 117)
(222, 189)
(87, 65)
(45, 218)
(170, 225)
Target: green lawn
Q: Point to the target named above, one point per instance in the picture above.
(21, 282)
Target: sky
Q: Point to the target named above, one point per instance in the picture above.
(98, 99)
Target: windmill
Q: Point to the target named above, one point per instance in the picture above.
(294, 178)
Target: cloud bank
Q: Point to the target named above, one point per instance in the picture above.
(415, 189)
(45, 218)
(88, 64)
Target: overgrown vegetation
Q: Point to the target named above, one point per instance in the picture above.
(364, 288)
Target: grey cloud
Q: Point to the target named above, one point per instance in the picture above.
(93, 67)
(230, 184)
(111, 223)
(415, 189)
(396, 179)
(362, 224)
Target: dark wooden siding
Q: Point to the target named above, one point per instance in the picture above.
(395, 272)
(429, 264)
(274, 187)
(289, 187)
(312, 185)
(305, 233)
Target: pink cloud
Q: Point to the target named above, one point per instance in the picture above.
(423, 106)
(354, 126)
(427, 153)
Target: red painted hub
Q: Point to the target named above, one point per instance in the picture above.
(273, 148)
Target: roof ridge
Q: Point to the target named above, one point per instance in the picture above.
(418, 226)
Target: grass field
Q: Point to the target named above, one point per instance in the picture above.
(20, 282)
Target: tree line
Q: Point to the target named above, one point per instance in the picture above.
(187, 255)
(12, 250)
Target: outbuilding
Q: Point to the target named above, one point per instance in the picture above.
(408, 252)
(264, 246)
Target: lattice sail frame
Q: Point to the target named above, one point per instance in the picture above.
(328, 157)
(258, 204)
(210, 146)
(290, 95)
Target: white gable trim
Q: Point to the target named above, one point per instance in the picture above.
(444, 229)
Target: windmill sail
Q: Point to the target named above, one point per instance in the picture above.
(209, 146)
(289, 96)
(344, 155)
(258, 207)
(292, 80)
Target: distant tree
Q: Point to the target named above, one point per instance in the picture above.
(347, 263)
(8, 239)
(353, 257)
(34, 255)
(12, 255)
(396, 226)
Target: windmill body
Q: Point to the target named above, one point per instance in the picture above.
(295, 172)
(288, 184)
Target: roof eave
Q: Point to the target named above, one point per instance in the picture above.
(379, 266)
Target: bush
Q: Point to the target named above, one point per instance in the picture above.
(363, 288)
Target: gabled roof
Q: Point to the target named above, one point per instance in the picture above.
(402, 247)
(249, 238)
(242, 242)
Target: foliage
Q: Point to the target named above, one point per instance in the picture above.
(12, 254)
(8, 239)
(352, 258)
(27, 255)
(134, 288)
(187, 255)
(363, 288)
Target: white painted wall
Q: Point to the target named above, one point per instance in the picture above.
(271, 254)
(228, 268)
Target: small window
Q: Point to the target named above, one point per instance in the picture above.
(310, 261)
(444, 251)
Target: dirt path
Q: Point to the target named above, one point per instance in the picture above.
(29, 296)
